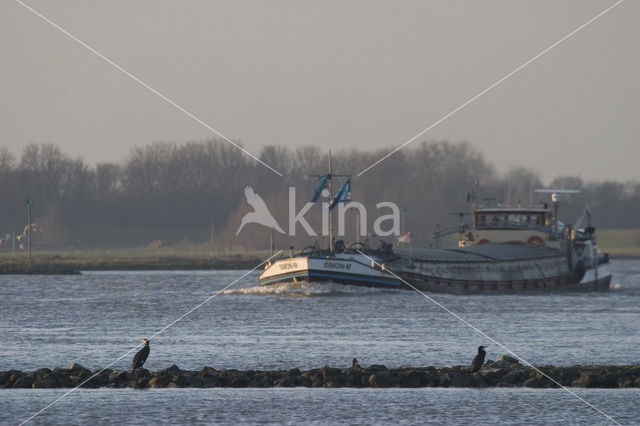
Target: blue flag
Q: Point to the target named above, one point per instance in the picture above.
(343, 195)
(320, 185)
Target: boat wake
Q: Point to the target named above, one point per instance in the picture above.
(306, 289)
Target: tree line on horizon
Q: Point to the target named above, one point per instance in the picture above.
(171, 192)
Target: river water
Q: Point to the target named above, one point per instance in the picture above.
(94, 318)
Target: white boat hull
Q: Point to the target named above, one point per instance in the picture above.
(352, 269)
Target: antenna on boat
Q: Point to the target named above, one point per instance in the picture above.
(330, 216)
(556, 196)
(461, 226)
(271, 242)
(489, 200)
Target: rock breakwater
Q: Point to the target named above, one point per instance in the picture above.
(494, 374)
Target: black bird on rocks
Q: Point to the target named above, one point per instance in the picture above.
(478, 360)
(141, 356)
(354, 363)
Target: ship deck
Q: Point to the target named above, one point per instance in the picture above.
(482, 253)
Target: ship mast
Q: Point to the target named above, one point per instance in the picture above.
(330, 177)
(330, 215)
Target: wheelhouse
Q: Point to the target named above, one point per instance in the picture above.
(509, 218)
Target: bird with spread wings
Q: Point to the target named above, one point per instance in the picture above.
(260, 213)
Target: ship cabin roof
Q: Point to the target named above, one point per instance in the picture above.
(510, 217)
(519, 209)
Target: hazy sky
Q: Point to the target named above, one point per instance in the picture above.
(366, 74)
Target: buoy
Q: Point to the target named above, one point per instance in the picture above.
(534, 239)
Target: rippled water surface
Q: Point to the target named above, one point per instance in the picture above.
(49, 321)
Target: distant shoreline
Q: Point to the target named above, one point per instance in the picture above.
(624, 256)
(57, 265)
(54, 265)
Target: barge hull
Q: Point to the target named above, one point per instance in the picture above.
(452, 286)
(500, 269)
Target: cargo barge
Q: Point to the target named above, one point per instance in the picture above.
(506, 249)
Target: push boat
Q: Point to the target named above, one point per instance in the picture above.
(342, 265)
(354, 265)
(506, 249)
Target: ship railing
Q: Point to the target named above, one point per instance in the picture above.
(515, 226)
(449, 231)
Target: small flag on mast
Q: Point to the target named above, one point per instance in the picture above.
(343, 195)
(320, 185)
(406, 238)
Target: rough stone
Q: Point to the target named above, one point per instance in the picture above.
(625, 382)
(174, 369)
(140, 378)
(24, 381)
(159, 381)
(332, 377)
(411, 378)
(509, 359)
(120, 378)
(205, 380)
(353, 377)
(500, 364)
(445, 380)
(374, 367)
(586, 380)
(79, 370)
(239, 380)
(535, 382)
(262, 379)
(462, 380)
(514, 377)
(372, 376)
(382, 379)
(44, 382)
(180, 381)
(9, 377)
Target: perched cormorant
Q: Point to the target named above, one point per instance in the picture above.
(478, 360)
(141, 356)
(354, 363)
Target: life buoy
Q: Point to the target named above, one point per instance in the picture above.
(482, 241)
(534, 239)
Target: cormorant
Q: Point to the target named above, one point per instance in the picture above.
(354, 363)
(478, 360)
(141, 356)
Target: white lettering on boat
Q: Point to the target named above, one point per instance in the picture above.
(335, 265)
(288, 265)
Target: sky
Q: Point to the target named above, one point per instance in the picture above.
(337, 74)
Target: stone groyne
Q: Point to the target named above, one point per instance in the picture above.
(493, 374)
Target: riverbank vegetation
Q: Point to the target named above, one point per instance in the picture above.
(192, 194)
(165, 258)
